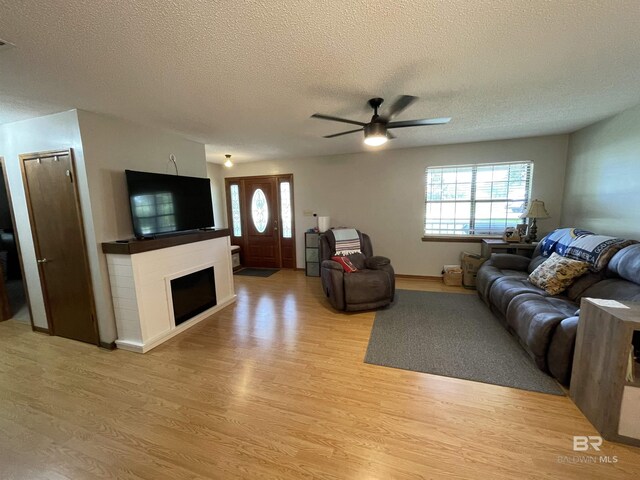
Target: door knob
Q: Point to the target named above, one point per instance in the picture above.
(43, 260)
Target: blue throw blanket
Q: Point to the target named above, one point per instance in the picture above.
(347, 241)
(596, 250)
(583, 245)
(559, 240)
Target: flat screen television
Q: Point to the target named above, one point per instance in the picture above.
(162, 204)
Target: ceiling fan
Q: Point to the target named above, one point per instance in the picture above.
(376, 131)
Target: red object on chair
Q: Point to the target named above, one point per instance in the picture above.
(347, 266)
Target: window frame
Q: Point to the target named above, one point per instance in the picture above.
(464, 237)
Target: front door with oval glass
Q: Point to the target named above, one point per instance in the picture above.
(260, 212)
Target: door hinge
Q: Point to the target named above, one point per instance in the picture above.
(70, 175)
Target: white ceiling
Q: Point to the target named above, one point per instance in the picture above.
(244, 76)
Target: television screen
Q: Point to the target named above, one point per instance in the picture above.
(168, 203)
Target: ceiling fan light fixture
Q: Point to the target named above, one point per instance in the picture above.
(375, 140)
(375, 134)
(228, 163)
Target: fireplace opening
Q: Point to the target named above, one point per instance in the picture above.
(193, 294)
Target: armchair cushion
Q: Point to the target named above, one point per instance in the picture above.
(375, 263)
(330, 264)
(358, 260)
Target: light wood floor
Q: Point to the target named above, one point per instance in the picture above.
(272, 387)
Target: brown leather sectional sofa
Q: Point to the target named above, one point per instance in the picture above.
(546, 325)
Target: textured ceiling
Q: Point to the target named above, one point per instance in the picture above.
(244, 77)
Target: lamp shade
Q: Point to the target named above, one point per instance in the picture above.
(535, 209)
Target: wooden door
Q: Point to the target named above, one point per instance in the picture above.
(261, 220)
(6, 214)
(56, 224)
(275, 246)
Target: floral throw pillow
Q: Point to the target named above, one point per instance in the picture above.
(557, 273)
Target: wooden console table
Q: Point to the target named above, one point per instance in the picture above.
(491, 245)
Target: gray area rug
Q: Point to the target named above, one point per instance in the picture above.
(454, 335)
(257, 272)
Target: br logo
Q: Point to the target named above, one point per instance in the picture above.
(582, 443)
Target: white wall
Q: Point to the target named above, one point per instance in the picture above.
(215, 172)
(52, 132)
(382, 193)
(603, 176)
(112, 145)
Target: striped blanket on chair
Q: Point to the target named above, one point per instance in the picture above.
(347, 241)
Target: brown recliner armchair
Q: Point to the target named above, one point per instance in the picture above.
(372, 286)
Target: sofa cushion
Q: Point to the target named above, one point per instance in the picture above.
(577, 288)
(506, 289)
(535, 262)
(557, 273)
(614, 289)
(596, 250)
(498, 266)
(534, 319)
(626, 264)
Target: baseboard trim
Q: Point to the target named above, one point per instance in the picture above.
(419, 277)
(108, 345)
(402, 275)
(41, 330)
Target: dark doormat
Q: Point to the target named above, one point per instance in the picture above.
(453, 335)
(257, 272)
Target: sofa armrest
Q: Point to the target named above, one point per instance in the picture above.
(561, 348)
(330, 264)
(377, 262)
(508, 261)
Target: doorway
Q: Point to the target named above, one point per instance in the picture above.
(261, 220)
(14, 301)
(58, 236)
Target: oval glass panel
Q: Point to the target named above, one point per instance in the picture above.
(259, 210)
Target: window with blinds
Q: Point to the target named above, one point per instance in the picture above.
(476, 199)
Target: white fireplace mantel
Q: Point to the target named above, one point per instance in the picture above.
(140, 277)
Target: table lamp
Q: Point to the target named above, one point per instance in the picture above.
(534, 210)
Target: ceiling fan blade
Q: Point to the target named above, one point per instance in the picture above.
(337, 119)
(399, 105)
(343, 133)
(418, 123)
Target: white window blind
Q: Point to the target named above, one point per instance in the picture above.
(476, 199)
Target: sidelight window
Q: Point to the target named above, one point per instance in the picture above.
(235, 211)
(285, 207)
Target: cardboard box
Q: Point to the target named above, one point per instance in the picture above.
(470, 265)
(452, 275)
